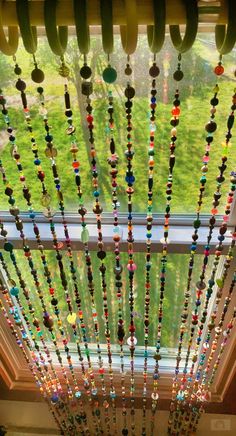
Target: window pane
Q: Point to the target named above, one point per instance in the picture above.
(195, 93)
(174, 294)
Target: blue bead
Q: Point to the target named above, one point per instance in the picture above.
(221, 238)
(130, 179)
(37, 161)
(153, 100)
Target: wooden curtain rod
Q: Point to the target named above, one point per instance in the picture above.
(209, 12)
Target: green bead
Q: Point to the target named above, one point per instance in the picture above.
(109, 74)
(8, 246)
(85, 236)
(197, 224)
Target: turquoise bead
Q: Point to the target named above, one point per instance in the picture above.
(109, 74)
(14, 291)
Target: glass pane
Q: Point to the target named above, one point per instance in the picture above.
(174, 294)
(195, 94)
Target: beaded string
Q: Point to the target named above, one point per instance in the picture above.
(27, 195)
(41, 385)
(201, 284)
(226, 334)
(216, 201)
(221, 237)
(131, 266)
(211, 324)
(15, 292)
(101, 253)
(217, 195)
(18, 322)
(199, 392)
(85, 239)
(210, 128)
(230, 326)
(113, 160)
(174, 123)
(48, 321)
(46, 201)
(154, 71)
(51, 153)
(184, 393)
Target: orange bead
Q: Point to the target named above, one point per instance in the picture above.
(219, 69)
(175, 111)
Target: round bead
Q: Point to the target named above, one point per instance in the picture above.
(37, 75)
(128, 70)
(219, 69)
(129, 92)
(20, 85)
(85, 72)
(154, 71)
(211, 127)
(109, 75)
(14, 291)
(71, 318)
(178, 75)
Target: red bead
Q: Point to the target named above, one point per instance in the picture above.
(219, 69)
(175, 111)
(89, 118)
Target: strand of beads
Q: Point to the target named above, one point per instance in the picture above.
(174, 123)
(130, 179)
(117, 235)
(47, 320)
(187, 395)
(27, 196)
(51, 154)
(210, 128)
(85, 239)
(46, 198)
(226, 336)
(101, 253)
(19, 342)
(153, 71)
(201, 392)
(216, 201)
(34, 321)
(44, 388)
(222, 230)
(211, 324)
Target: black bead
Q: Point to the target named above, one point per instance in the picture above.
(20, 85)
(178, 75)
(211, 127)
(85, 72)
(154, 70)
